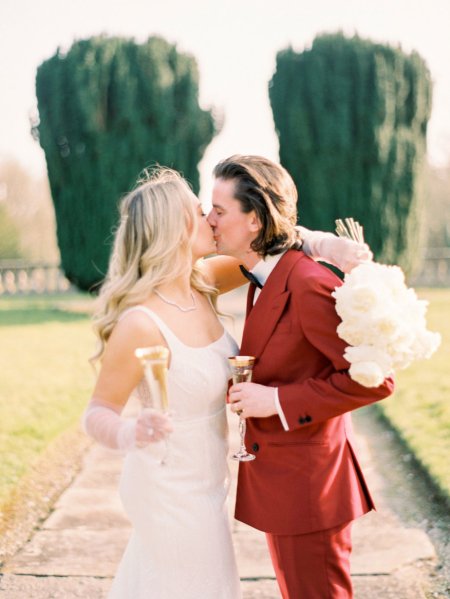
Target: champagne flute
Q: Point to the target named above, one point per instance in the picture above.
(241, 372)
(155, 361)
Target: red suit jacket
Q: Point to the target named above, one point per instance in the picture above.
(308, 478)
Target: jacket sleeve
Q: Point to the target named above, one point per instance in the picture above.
(316, 399)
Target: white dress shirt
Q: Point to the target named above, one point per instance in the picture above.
(262, 271)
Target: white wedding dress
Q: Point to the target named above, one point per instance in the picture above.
(180, 547)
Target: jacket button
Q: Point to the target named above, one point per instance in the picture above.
(255, 447)
(301, 420)
(308, 419)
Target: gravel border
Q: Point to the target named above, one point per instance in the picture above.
(34, 496)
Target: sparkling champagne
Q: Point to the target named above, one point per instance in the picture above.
(155, 361)
(241, 368)
(242, 377)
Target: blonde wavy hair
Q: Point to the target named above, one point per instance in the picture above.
(152, 246)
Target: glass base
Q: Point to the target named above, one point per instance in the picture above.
(243, 456)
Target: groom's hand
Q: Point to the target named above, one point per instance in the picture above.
(252, 400)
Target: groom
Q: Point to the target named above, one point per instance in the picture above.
(305, 487)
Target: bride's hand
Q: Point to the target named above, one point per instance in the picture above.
(345, 253)
(152, 426)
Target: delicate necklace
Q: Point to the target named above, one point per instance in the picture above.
(172, 303)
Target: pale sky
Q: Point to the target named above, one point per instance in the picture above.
(235, 43)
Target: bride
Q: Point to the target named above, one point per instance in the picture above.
(159, 291)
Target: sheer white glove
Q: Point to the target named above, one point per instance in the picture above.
(103, 422)
(343, 253)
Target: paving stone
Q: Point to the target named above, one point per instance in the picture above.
(71, 553)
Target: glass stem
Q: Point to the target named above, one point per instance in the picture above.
(242, 429)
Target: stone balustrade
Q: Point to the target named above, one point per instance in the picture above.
(23, 277)
(435, 268)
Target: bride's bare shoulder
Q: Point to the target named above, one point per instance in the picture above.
(135, 325)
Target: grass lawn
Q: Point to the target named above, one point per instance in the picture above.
(420, 407)
(45, 377)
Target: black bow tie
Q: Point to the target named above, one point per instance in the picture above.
(251, 277)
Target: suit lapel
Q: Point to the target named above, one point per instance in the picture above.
(250, 296)
(263, 317)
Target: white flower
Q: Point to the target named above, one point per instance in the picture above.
(368, 353)
(365, 297)
(351, 332)
(368, 374)
(388, 326)
(426, 343)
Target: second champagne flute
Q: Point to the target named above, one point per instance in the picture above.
(241, 372)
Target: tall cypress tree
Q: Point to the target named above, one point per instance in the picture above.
(351, 117)
(108, 108)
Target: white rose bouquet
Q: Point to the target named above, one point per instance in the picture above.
(382, 320)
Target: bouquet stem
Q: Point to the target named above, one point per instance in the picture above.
(349, 228)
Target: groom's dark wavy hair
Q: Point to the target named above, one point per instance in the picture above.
(268, 189)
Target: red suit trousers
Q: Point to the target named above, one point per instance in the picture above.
(314, 565)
